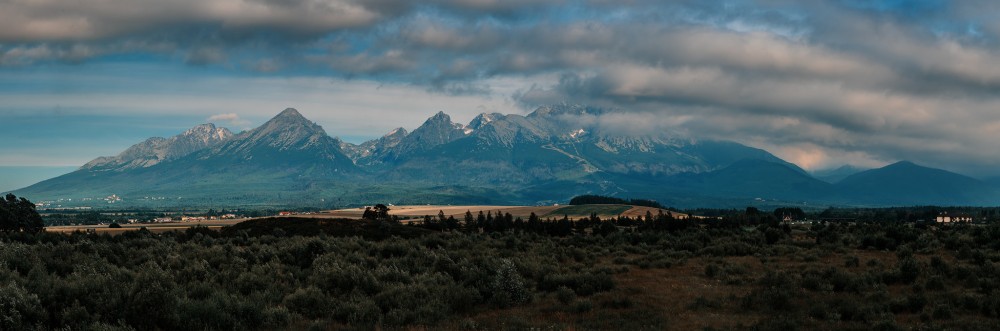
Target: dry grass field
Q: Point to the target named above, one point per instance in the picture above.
(153, 227)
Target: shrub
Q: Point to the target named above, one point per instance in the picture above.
(309, 302)
(617, 302)
(565, 295)
(276, 317)
(712, 270)
(340, 277)
(583, 306)
(581, 283)
(776, 292)
(852, 261)
(19, 309)
(935, 283)
(909, 270)
(942, 312)
(508, 286)
(939, 265)
(361, 311)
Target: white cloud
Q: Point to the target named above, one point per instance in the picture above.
(354, 108)
(816, 82)
(231, 118)
(52, 20)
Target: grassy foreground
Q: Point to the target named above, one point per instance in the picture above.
(286, 274)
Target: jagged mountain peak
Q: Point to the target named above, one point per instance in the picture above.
(396, 132)
(373, 151)
(484, 119)
(506, 158)
(288, 140)
(155, 150)
(435, 131)
(439, 117)
(289, 123)
(290, 113)
(208, 131)
(440, 121)
(289, 118)
(207, 127)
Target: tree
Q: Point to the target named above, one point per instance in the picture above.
(381, 212)
(19, 215)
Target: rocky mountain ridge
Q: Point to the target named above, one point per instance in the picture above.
(547, 156)
(156, 150)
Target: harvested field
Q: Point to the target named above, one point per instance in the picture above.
(154, 227)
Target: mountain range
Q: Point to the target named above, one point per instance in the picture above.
(548, 156)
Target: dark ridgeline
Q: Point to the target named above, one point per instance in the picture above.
(598, 199)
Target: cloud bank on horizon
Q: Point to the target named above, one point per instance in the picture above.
(820, 83)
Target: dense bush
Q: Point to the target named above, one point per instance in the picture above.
(815, 277)
(198, 280)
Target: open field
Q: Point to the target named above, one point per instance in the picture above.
(154, 227)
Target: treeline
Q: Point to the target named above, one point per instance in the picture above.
(490, 222)
(19, 215)
(598, 199)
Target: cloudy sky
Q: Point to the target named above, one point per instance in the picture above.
(819, 83)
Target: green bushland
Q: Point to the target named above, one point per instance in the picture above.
(290, 273)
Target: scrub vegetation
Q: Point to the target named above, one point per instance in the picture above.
(748, 271)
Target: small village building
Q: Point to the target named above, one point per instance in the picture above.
(946, 217)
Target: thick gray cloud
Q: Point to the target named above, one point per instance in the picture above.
(821, 83)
